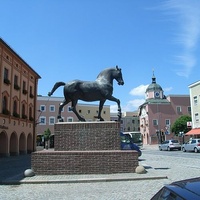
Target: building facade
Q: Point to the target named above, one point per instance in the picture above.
(129, 122)
(18, 94)
(159, 112)
(194, 89)
(47, 111)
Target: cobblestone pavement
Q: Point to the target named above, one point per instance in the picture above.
(157, 166)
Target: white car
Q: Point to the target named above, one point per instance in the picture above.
(192, 145)
(170, 145)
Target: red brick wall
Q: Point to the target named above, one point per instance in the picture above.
(85, 136)
(84, 162)
(85, 148)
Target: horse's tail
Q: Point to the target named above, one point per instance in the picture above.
(57, 85)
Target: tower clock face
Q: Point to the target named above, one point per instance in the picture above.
(157, 94)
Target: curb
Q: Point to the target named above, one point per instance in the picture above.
(91, 180)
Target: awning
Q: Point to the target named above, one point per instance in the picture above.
(195, 131)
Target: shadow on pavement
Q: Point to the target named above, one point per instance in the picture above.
(13, 167)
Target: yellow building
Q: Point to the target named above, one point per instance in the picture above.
(18, 94)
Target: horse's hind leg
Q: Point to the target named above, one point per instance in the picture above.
(101, 103)
(60, 109)
(76, 113)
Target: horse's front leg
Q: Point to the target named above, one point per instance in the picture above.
(101, 103)
(118, 104)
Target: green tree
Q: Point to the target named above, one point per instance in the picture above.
(47, 134)
(180, 125)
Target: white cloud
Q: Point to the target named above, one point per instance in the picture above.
(139, 91)
(168, 89)
(113, 108)
(186, 15)
(129, 107)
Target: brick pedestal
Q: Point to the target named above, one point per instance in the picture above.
(85, 148)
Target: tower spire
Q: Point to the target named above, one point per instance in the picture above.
(153, 77)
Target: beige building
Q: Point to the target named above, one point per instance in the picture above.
(18, 92)
(47, 111)
(195, 109)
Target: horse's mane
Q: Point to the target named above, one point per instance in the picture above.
(102, 73)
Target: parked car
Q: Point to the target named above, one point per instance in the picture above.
(192, 145)
(170, 145)
(128, 144)
(180, 190)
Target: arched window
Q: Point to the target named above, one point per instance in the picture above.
(24, 111)
(15, 109)
(15, 106)
(5, 106)
(30, 114)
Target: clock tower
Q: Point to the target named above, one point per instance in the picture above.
(154, 90)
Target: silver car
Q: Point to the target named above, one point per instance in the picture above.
(170, 145)
(192, 145)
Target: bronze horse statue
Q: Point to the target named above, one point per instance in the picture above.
(99, 90)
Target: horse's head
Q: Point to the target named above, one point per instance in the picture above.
(118, 76)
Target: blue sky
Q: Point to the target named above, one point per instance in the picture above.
(76, 39)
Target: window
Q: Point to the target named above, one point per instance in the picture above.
(5, 73)
(70, 119)
(178, 109)
(167, 122)
(24, 88)
(42, 120)
(30, 114)
(189, 109)
(69, 109)
(42, 108)
(133, 121)
(195, 100)
(196, 117)
(31, 92)
(104, 112)
(16, 86)
(15, 114)
(51, 120)
(52, 108)
(6, 79)
(155, 122)
(5, 106)
(16, 80)
(24, 111)
(24, 85)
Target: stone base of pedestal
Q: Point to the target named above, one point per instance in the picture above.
(84, 162)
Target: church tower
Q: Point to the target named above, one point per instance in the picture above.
(154, 90)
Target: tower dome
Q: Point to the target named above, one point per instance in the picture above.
(154, 86)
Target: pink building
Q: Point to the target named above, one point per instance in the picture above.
(159, 112)
(18, 95)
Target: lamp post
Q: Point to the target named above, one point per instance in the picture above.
(181, 133)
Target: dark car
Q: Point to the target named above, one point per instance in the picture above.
(128, 144)
(188, 189)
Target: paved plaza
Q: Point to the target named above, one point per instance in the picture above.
(160, 170)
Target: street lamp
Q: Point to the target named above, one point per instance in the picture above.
(181, 134)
